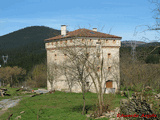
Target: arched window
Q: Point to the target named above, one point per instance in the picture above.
(109, 69)
(109, 55)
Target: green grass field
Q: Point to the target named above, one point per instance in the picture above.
(58, 106)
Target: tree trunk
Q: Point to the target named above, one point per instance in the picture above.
(128, 93)
(84, 103)
(11, 82)
(100, 103)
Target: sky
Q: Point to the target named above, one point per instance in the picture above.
(126, 18)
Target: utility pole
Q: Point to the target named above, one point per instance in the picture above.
(133, 50)
(5, 58)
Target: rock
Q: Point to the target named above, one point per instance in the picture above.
(18, 117)
(100, 117)
(157, 96)
(112, 119)
(4, 89)
(117, 110)
(106, 114)
(41, 91)
(19, 89)
(22, 112)
(124, 101)
(135, 105)
(25, 92)
(147, 88)
(36, 95)
(88, 115)
(123, 93)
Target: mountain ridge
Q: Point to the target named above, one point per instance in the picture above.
(25, 47)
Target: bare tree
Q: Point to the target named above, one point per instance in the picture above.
(137, 75)
(86, 64)
(74, 67)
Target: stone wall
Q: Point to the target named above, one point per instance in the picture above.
(137, 106)
(109, 47)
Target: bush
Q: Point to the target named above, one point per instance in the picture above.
(38, 76)
(154, 58)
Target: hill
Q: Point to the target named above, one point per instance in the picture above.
(30, 36)
(128, 43)
(26, 45)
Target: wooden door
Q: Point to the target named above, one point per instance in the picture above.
(109, 84)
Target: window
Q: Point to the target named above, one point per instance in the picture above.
(71, 41)
(114, 41)
(109, 69)
(98, 68)
(52, 43)
(55, 56)
(56, 42)
(48, 44)
(82, 40)
(90, 40)
(61, 42)
(109, 55)
(87, 55)
(109, 84)
(87, 84)
(66, 41)
(106, 40)
(99, 40)
(65, 55)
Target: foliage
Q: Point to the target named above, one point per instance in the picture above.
(153, 58)
(12, 75)
(38, 76)
(135, 75)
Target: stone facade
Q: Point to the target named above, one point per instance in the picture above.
(109, 44)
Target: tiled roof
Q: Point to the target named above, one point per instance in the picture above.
(83, 33)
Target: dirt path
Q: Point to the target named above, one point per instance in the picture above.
(11, 102)
(8, 103)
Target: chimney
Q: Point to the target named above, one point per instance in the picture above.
(63, 30)
(95, 29)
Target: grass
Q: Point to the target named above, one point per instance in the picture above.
(58, 106)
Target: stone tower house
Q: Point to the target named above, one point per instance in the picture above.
(109, 44)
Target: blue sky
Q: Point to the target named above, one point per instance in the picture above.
(117, 17)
